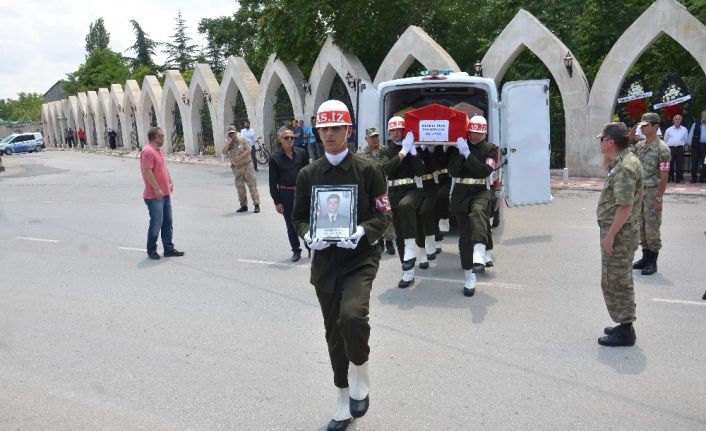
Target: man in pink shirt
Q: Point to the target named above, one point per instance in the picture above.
(158, 188)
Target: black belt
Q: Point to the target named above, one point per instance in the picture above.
(283, 187)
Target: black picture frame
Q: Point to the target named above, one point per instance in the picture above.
(343, 224)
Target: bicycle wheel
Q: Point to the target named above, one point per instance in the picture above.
(261, 156)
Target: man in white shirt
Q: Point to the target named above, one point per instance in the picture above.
(249, 134)
(676, 137)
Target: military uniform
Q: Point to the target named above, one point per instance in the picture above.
(243, 171)
(343, 277)
(440, 162)
(623, 187)
(655, 158)
(378, 157)
(427, 224)
(470, 200)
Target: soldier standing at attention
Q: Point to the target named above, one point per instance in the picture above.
(343, 273)
(401, 166)
(618, 213)
(469, 167)
(655, 157)
(238, 149)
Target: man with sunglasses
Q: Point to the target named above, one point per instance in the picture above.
(618, 213)
(655, 157)
(343, 273)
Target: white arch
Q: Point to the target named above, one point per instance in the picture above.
(413, 44)
(526, 32)
(104, 113)
(83, 116)
(238, 78)
(173, 91)
(278, 72)
(662, 17)
(204, 82)
(73, 117)
(151, 97)
(116, 111)
(47, 125)
(132, 104)
(96, 121)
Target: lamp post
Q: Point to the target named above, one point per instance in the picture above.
(479, 68)
(569, 63)
(357, 85)
(306, 86)
(185, 99)
(206, 96)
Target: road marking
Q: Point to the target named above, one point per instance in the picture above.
(144, 250)
(26, 238)
(480, 283)
(678, 301)
(264, 262)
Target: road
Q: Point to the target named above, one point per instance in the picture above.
(94, 336)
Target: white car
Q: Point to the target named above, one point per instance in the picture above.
(22, 143)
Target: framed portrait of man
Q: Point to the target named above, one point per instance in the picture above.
(333, 212)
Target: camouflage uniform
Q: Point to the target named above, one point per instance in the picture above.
(244, 172)
(378, 158)
(654, 158)
(623, 187)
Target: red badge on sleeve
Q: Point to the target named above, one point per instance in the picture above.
(381, 204)
(664, 166)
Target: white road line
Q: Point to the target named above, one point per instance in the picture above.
(480, 283)
(264, 262)
(144, 250)
(678, 301)
(26, 238)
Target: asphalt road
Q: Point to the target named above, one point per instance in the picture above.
(94, 336)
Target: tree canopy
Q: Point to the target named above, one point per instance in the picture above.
(97, 37)
(102, 68)
(180, 54)
(143, 48)
(27, 107)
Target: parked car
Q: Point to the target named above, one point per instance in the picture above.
(22, 143)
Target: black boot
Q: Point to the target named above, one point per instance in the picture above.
(642, 263)
(651, 266)
(621, 335)
(390, 247)
(335, 425)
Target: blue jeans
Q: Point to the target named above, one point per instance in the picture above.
(160, 221)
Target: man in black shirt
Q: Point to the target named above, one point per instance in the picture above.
(285, 164)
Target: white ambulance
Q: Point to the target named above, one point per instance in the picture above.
(518, 122)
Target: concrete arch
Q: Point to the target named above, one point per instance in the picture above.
(133, 109)
(238, 78)
(97, 124)
(47, 131)
(55, 111)
(116, 111)
(103, 111)
(204, 81)
(84, 119)
(174, 89)
(151, 97)
(278, 72)
(73, 116)
(413, 44)
(662, 17)
(527, 32)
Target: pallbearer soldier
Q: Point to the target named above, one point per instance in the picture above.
(343, 273)
(441, 172)
(618, 216)
(427, 224)
(469, 167)
(401, 166)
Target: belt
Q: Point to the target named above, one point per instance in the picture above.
(283, 187)
(400, 182)
(427, 177)
(469, 181)
(442, 171)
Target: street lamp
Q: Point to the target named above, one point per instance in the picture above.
(358, 86)
(185, 99)
(479, 68)
(306, 86)
(206, 96)
(120, 108)
(568, 63)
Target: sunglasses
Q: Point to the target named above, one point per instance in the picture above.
(288, 138)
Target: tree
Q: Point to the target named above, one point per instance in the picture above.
(102, 68)
(143, 48)
(27, 107)
(97, 37)
(180, 55)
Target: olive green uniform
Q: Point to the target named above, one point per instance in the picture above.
(377, 157)
(405, 199)
(440, 163)
(623, 187)
(654, 157)
(343, 278)
(243, 171)
(426, 217)
(471, 203)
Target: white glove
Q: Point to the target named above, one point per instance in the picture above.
(315, 244)
(353, 241)
(463, 147)
(408, 144)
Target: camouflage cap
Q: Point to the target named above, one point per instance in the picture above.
(231, 129)
(372, 131)
(614, 130)
(649, 117)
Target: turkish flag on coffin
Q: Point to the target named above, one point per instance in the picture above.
(436, 124)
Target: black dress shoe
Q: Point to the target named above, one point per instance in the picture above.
(296, 256)
(469, 292)
(478, 268)
(431, 256)
(359, 408)
(242, 209)
(153, 255)
(257, 209)
(424, 265)
(335, 425)
(173, 253)
(620, 336)
(409, 264)
(405, 284)
(489, 264)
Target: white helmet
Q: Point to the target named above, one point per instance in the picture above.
(333, 113)
(478, 124)
(395, 123)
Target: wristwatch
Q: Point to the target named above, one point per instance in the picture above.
(659, 199)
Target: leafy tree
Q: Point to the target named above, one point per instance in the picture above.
(180, 54)
(143, 48)
(97, 37)
(102, 68)
(27, 107)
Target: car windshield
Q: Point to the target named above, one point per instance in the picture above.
(7, 139)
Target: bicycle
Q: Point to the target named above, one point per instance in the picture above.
(262, 154)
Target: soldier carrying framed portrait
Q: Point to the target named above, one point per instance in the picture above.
(333, 212)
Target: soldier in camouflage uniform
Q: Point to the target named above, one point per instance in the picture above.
(375, 152)
(238, 149)
(618, 214)
(655, 157)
